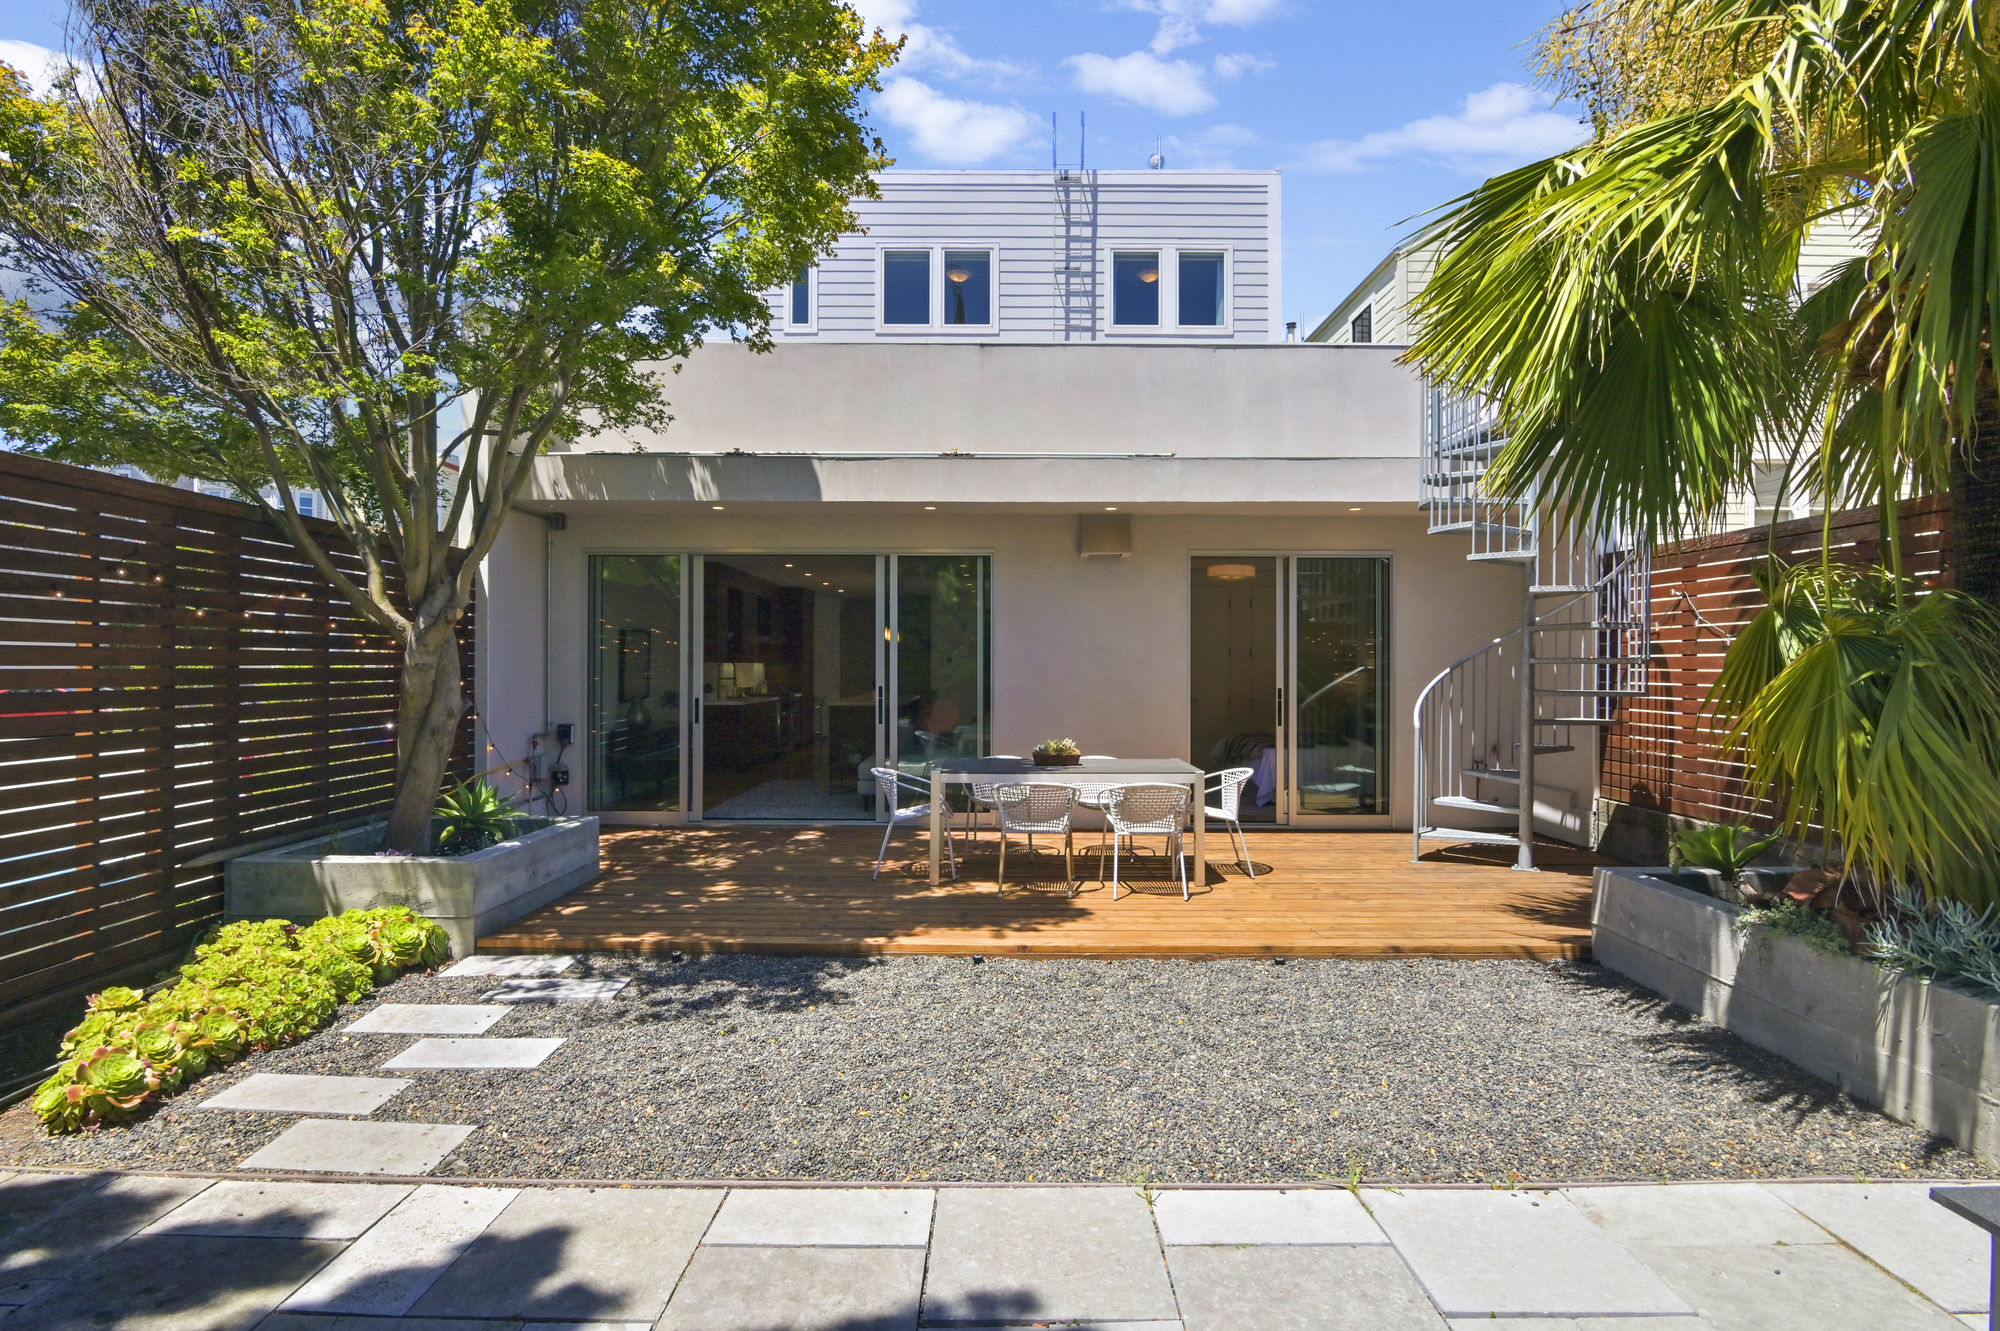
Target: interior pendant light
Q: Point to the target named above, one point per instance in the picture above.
(958, 274)
(1232, 572)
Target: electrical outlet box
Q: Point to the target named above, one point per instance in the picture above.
(558, 776)
(565, 735)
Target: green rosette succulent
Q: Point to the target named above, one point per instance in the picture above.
(61, 1103)
(401, 942)
(225, 1034)
(117, 998)
(157, 1045)
(117, 1083)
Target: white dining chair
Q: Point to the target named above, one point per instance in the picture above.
(1222, 794)
(1147, 811)
(1029, 808)
(982, 798)
(893, 785)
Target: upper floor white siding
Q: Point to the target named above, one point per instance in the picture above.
(1034, 225)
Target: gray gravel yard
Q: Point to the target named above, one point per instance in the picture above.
(943, 1069)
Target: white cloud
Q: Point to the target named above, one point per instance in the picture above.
(951, 130)
(1182, 21)
(1501, 126)
(928, 48)
(1170, 87)
(1238, 63)
(39, 63)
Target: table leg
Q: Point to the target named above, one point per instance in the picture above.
(1199, 869)
(937, 827)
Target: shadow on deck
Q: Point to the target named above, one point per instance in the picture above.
(808, 889)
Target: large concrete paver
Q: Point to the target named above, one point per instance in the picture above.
(1053, 1254)
(1352, 1287)
(508, 966)
(1517, 1254)
(1820, 1287)
(798, 1289)
(1257, 1215)
(175, 1282)
(27, 1200)
(286, 1321)
(335, 1146)
(285, 1093)
(1899, 1227)
(606, 1254)
(475, 1053)
(396, 1262)
(429, 1019)
(1577, 1324)
(82, 1222)
(235, 1208)
(1695, 1215)
(553, 991)
(824, 1218)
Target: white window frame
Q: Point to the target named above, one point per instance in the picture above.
(811, 325)
(937, 325)
(1170, 291)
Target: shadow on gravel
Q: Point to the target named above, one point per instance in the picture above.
(71, 1247)
(668, 990)
(1683, 1044)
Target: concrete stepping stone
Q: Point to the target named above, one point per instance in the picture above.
(583, 1254)
(1517, 1254)
(289, 1093)
(1045, 1254)
(429, 1019)
(1260, 1216)
(1728, 1215)
(252, 1210)
(1293, 1287)
(1820, 1285)
(511, 966)
(824, 1218)
(1544, 1324)
(488, 1053)
(394, 1264)
(553, 991)
(800, 1289)
(1897, 1226)
(176, 1282)
(336, 1146)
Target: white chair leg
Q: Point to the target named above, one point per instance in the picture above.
(883, 853)
(1000, 883)
(1181, 864)
(951, 845)
(1114, 866)
(1236, 835)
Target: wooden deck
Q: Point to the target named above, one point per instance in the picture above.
(807, 889)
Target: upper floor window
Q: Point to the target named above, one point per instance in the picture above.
(801, 301)
(968, 287)
(1363, 327)
(1135, 288)
(906, 288)
(1201, 294)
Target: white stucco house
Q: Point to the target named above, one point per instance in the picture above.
(1030, 459)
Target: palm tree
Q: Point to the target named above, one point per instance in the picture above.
(1629, 307)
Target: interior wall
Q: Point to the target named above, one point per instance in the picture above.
(1096, 649)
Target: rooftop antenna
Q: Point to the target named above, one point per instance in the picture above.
(1055, 142)
(1158, 161)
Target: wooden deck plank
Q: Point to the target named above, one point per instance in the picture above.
(809, 890)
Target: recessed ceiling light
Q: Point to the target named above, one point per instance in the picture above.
(716, 507)
(1111, 508)
(788, 566)
(930, 508)
(1355, 509)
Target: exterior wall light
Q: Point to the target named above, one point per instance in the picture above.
(1232, 572)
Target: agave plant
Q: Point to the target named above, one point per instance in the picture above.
(472, 817)
(1718, 846)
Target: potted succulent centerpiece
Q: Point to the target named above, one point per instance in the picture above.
(1057, 753)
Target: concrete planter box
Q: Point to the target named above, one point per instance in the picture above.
(468, 894)
(1924, 1054)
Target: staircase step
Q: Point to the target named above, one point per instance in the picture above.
(1463, 835)
(1470, 805)
(1590, 693)
(1555, 748)
(1543, 721)
(1560, 588)
(1503, 556)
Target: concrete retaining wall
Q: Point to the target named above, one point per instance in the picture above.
(1926, 1055)
(468, 894)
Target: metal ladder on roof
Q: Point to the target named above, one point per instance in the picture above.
(1584, 641)
(1074, 243)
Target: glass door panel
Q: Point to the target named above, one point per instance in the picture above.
(789, 667)
(940, 630)
(1233, 679)
(635, 683)
(1340, 618)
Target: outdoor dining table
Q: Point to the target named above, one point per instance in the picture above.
(1090, 772)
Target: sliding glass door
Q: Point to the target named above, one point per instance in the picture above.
(939, 633)
(635, 683)
(1339, 737)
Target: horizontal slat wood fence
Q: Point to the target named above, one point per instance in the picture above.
(1664, 753)
(176, 680)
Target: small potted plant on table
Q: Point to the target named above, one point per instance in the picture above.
(1057, 753)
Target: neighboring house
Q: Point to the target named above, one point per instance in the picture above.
(1100, 499)
(308, 500)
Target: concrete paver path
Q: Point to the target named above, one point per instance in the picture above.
(160, 1253)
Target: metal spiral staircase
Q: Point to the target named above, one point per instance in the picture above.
(1541, 689)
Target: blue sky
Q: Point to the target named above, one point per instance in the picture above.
(1374, 111)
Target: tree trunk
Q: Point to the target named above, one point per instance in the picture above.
(428, 711)
(1975, 502)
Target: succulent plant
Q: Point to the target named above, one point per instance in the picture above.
(1058, 747)
(59, 1101)
(116, 999)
